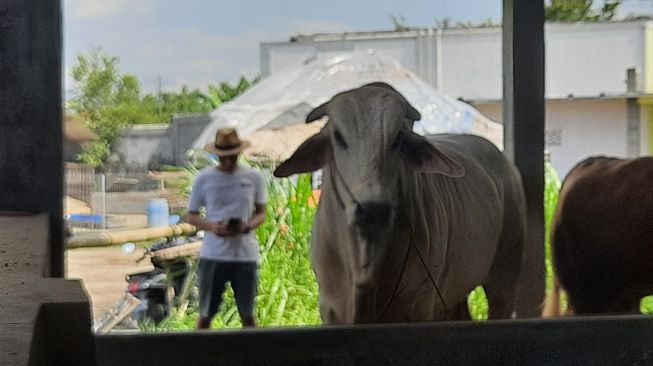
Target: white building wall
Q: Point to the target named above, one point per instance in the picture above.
(277, 56)
(472, 64)
(589, 59)
(582, 59)
(577, 129)
(404, 51)
(587, 128)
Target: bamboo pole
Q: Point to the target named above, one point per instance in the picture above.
(104, 238)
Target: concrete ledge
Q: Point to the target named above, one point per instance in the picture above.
(62, 335)
(577, 341)
(24, 245)
(44, 321)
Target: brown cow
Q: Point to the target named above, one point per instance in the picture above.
(602, 237)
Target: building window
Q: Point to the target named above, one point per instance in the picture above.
(553, 138)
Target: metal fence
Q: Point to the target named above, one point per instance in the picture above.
(80, 181)
(108, 200)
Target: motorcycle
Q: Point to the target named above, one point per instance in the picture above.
(153, 291)
(152, 294)
(158, 288)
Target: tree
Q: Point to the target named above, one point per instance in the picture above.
(166, 105)
(443, 23)
(446, 23)
(556, 11)
(184, 101)
(399, 23)
(106, 100)
(223, 93)
(579, 10)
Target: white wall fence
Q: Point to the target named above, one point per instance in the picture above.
(144, 147)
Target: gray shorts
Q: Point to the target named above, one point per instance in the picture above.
(213, 277)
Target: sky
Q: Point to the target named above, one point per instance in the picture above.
(202, 42)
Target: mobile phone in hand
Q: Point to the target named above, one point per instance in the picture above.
(234, 225)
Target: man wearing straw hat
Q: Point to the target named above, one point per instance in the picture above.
(234, 198)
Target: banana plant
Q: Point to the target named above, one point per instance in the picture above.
(224, 92)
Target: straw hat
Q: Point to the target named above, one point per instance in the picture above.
(226, 143)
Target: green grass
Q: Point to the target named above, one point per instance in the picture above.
(646, 306)
(287, 289)
(551, 190)
(170, 168)
(477, 303)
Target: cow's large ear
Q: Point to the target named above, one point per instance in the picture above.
(412, 113)
(309, 156)
(424, 157)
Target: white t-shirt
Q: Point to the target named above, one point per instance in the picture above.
(226, 196)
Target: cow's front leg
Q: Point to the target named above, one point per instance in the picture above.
(337, 306)
(334, 285)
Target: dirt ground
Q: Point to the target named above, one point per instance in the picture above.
(103, 271)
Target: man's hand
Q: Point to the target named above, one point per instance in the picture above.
(244, 228)
(220, 228)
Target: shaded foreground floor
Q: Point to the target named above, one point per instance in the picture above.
(103, 271)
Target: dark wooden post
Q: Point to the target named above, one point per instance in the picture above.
(31, 161)
(523, 116)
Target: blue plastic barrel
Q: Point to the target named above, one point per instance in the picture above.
(157, 212)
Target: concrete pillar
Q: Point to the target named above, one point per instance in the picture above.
(633, 143)
(31, 139)
(523, 116)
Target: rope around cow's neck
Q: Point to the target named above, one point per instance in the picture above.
(426, 267)
(411, 235)
(333, 168)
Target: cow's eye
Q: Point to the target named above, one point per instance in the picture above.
(340, 140)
